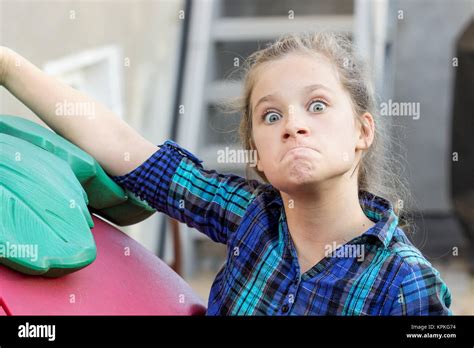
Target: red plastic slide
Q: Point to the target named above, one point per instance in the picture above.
(125, 279)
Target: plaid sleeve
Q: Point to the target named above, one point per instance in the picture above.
(174, 182)
(422, 292)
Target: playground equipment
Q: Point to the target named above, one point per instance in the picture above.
(58, 258)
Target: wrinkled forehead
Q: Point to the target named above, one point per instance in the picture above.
(291, 73)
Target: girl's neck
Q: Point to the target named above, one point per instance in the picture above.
(329, 213)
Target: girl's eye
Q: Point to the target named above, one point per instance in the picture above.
(317, 106)
(267, 117)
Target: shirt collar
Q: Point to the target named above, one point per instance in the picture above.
(380, 211)
(376, 208)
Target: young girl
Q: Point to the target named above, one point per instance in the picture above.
(320, 236)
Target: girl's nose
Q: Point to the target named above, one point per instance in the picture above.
(295, 126)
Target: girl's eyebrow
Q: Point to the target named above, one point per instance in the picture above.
(307, 89)
(264, 99)
(316, 86)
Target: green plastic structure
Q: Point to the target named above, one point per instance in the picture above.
(106, 198)
(46, 183)
(45, 224)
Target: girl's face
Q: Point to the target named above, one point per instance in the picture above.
(304, 127)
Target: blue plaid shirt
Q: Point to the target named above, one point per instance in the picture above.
(261, 275)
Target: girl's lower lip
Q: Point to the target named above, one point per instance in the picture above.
(297, 149)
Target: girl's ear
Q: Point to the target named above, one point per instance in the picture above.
(365, 131)
(259, 163)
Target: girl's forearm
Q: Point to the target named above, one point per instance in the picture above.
(75, 116)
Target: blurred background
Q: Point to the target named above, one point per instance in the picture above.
(165, 65)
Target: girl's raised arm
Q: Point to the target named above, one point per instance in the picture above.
(111, 141)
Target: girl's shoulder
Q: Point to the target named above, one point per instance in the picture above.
(404, 248)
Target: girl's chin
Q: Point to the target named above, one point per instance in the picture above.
(301, 173)
(296, 184)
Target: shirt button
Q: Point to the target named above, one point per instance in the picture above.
(285, 308)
